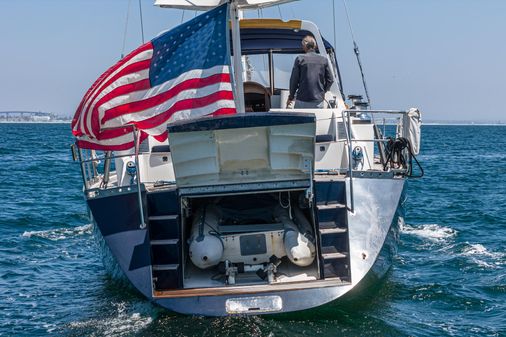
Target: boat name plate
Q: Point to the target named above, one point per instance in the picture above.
(254, 304)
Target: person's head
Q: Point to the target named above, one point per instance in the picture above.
(308, 43)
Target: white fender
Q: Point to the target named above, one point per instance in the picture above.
(299, 249)
(206, 250)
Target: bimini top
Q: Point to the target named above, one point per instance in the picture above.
(209, 4)
(259, 36)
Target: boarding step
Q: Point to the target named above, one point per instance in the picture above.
(335, 264)
(163, 217)
(164, 227)
(165, 252)
(332, 230)
(332, 215)
(164, 242)
(165, 267)
(163, 202)
(331, 253)
(333, 205)
(330, 192)
(166, 276)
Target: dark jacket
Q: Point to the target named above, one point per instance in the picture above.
(311, 77)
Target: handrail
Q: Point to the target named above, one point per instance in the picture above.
(350, 166)
(346, 116)
(90, 173)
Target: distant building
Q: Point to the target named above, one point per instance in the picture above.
(26, 116)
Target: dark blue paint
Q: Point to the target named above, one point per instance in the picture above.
(239, 121)
(141, 255)
(116, 213)
(260, 41)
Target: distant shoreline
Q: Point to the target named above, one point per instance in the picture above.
(34, 122)
(464, 124)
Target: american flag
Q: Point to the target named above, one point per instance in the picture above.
(183, 73)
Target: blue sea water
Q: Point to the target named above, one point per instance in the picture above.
(448, 279)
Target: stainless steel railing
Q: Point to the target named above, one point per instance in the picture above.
(347, 120)
(89, 163)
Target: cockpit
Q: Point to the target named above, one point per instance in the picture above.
(269, 48)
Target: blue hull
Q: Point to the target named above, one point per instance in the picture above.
(130, 247)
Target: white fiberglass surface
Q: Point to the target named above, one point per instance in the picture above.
(287, 272)
(208, 4)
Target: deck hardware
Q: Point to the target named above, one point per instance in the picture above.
(73, 150)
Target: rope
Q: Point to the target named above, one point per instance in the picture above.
(396, 159)
(357, 53)
(125, 30)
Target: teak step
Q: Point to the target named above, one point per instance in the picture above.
(164, 267)
(163, 217)
(331, 253)
(164, 242)
(332, 230)
(334, 205)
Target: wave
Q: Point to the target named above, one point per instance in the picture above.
(124, 322)
(432, 232)
(480, 255)
(60, 233)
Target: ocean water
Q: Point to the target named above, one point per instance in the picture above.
(448, 279)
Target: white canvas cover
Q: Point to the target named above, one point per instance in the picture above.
(208, 4)
(411, 125)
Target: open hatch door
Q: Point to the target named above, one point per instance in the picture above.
(243, 149)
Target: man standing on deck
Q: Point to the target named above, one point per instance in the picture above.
(311, 77)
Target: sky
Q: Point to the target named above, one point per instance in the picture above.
(445, 57)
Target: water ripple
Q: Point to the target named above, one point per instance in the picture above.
(449, 278)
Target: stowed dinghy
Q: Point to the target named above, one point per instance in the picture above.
(245, 182)
(264, 210)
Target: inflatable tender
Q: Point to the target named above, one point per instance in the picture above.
(211, 242)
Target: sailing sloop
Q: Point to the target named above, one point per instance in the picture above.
(213, 197)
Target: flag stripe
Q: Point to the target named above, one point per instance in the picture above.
(196, 73)
(131, 68)
(99, 88)
(124, 141)
(150, 102)
(204, 103)
(143, 52)
(185, 105)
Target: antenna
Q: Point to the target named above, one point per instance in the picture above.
(142, 24)
(280, 14)
(357, 53)
(334, 21)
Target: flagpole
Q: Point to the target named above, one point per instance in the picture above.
(235, 16)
